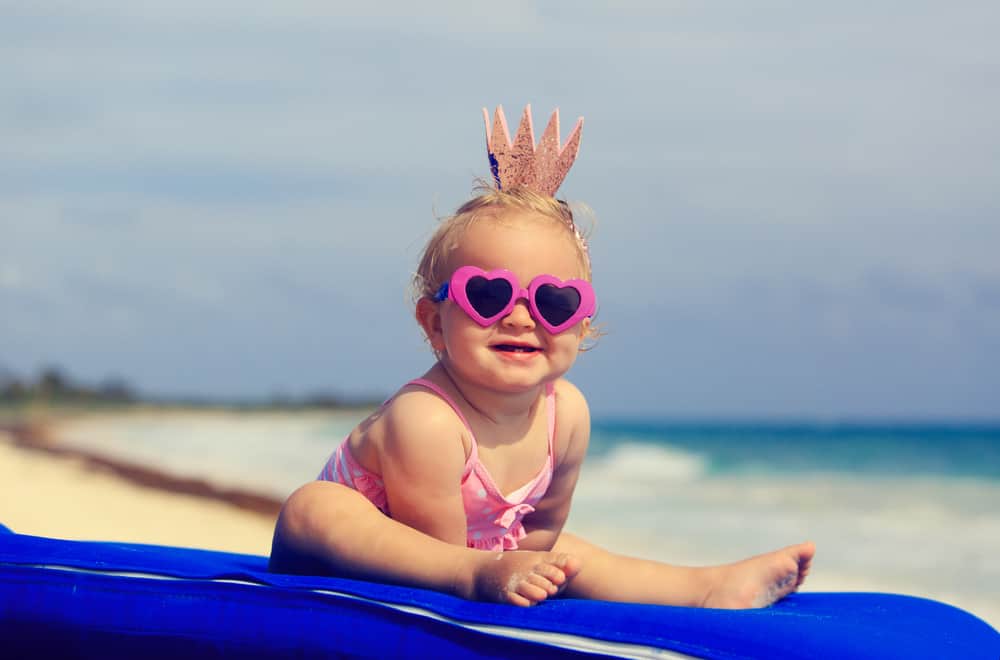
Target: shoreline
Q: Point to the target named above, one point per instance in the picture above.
(67, 493)
(34, 437)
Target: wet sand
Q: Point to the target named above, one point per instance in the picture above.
(49, 490)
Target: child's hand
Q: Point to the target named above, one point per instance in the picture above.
(523, 577)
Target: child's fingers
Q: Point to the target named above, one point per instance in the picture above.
(552, 573)
(543, 583)
(531, 592)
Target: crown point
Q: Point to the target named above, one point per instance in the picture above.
(523, 151)
(498, 147)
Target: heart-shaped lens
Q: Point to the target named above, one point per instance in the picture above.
(557, 304)
(488, 297)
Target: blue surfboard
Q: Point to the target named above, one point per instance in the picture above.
(120, 600)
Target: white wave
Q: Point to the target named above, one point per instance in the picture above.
(930, 537)
(639, 463)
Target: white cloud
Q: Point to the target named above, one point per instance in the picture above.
(244, 159)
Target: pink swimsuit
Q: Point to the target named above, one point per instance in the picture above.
(493, 520)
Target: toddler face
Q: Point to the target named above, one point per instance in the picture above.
(516, 352)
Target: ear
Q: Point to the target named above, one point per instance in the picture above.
(428, 315)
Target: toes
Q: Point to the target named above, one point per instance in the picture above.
(805, 561)
(803, 572)
(805, 551)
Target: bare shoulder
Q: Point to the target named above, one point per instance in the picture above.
(417, 422)
(571, 405)
(572, 421)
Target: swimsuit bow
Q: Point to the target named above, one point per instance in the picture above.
(512, 513)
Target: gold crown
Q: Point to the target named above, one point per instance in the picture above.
(540, 169)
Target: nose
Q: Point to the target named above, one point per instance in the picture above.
(519, 317)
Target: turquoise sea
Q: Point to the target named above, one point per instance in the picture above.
(898, 507)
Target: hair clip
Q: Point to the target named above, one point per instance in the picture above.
(540, 169)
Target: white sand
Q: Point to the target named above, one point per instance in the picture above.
(62, 497)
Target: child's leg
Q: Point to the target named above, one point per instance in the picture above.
(754, 582)
(327, 528)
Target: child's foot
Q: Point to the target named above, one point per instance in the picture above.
(761, 580)
(523, 577)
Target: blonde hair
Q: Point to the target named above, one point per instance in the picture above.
(492, 205)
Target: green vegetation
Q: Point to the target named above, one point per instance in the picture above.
(53, 389)
(52, 386)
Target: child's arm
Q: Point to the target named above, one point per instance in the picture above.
(422, 458)
(546, 522)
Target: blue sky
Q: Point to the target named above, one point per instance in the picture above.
(795, 203)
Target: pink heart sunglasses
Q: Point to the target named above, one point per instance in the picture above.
(489, 296)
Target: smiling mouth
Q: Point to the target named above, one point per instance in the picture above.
(511, 348)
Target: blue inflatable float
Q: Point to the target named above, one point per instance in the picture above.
(118, 600)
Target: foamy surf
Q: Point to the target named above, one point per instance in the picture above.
(640, 463)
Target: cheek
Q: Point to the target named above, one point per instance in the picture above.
(568, 343)
(578, 333)
(458, 330)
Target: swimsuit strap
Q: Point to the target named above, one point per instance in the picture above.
(550, 410)
(437, 389)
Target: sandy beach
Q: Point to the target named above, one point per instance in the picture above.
(49, 491)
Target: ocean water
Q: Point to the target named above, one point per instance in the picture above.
(897, 508)
(903, 508)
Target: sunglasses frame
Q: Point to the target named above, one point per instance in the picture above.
(455, 289)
